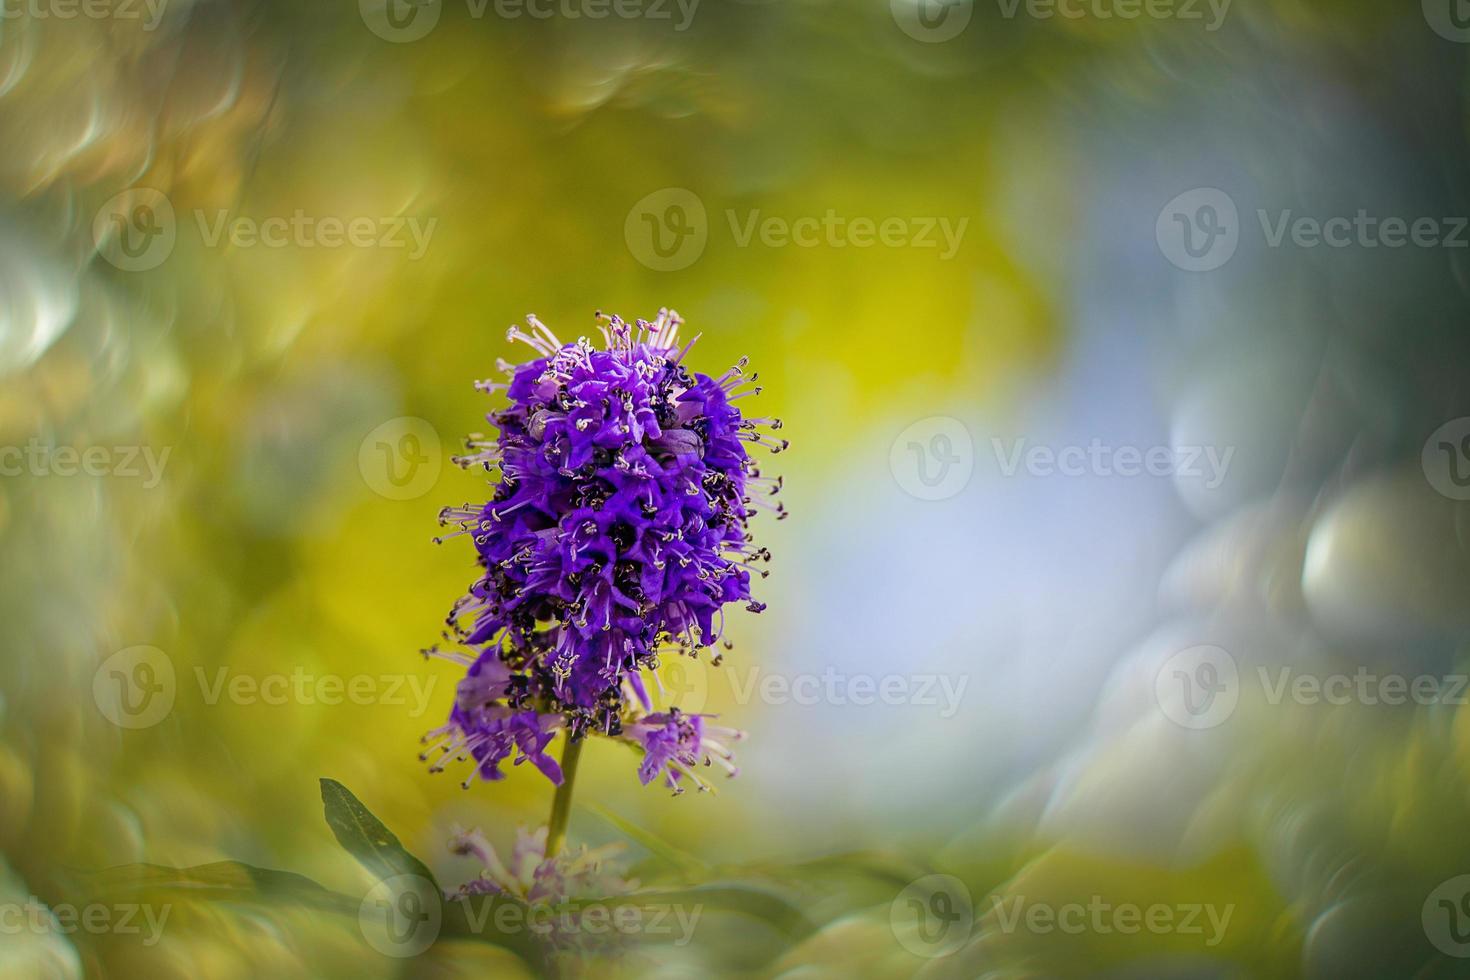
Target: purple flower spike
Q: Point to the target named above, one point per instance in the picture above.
(617, 532)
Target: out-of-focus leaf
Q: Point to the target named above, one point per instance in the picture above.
(223, 880)
(756, 901)
(654, 844)
(872, 864)
(480, 917)
(365, 837)
(475, 918)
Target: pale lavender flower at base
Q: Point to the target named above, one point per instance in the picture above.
(675, 742)
(534, 878)
(563, 884)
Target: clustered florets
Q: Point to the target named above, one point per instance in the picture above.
(553, 888)
(617, 533)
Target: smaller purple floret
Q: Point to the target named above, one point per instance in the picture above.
(674, 743)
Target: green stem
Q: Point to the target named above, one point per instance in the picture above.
(561, 804)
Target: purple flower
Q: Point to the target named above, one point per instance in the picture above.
(481, 727)
(676, 742)
(617, 532)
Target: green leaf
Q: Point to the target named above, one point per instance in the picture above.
(885, 868)
(474, 918)
(755, 901)
(221, 881)
(651, 842)
(366, 838)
